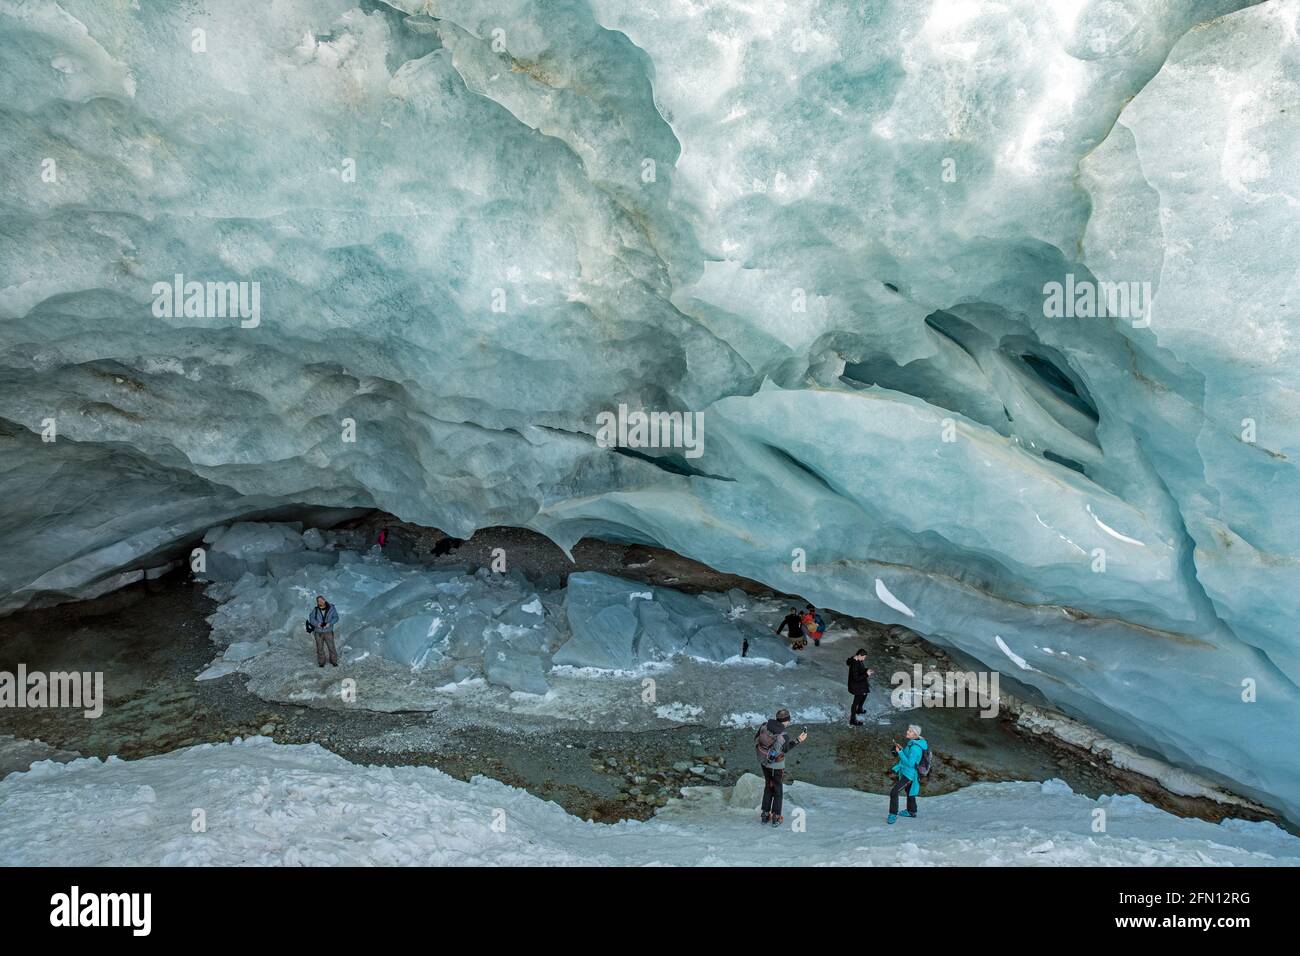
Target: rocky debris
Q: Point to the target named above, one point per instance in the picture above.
(897, 634)
(648, 783)
(17, 754)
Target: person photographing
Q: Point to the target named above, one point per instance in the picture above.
(913, 762)
(772, 742)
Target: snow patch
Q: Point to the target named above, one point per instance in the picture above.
(888, 598)
(1014, 657)
(682, 713)
(301, 805)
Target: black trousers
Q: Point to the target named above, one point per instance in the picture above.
(772, 790)
(859, 700)
(902, 785)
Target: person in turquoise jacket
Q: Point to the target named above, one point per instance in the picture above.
(909, 756)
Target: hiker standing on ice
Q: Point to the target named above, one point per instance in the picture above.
(320, 624)
(792, 625)
(859, 684)
(913, 762)
(773, 742)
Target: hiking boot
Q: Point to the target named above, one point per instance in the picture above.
(855, 723)
(891, 818)
(777, 821)
(766, 817)
(907, 813)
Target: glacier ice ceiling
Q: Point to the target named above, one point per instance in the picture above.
(831, 227)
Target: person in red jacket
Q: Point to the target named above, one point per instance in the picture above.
(813, 626)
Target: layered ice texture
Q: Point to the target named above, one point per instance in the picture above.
(832, 228)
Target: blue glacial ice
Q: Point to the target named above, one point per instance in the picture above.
(415, 617)
(830, 227)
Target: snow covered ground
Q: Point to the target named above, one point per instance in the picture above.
(257, 802)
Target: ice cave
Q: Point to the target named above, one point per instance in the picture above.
(632, 328)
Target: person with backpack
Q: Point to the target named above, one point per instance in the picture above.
(859, 684)
(773, 742)
(813, 625)
(913, 764)
(320, 625)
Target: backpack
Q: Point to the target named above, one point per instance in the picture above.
(769, 746)
(819, 624)
(923, 767)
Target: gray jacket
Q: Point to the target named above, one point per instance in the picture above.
(780, 734)
(323, 620)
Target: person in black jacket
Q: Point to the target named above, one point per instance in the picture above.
(859, 684)
(790, 624)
